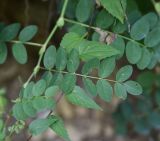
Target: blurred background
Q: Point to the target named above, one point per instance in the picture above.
(135, 119)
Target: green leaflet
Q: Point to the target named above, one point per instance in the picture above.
(51, 91)
(38, 126)
(83, 10)
(79, 98)
(151, 18)
(58, 127)
(20, 53)
(27, 93)
(28, 33)
(18, 112)
(42, 103)
(106, 67)
(116, 7)
(87, 49)
(28, 108)
(57, 79)
(145, 59)
(47, 76)
(39, 88)
(119, 27)
(50, 57)
(90, 87)
(3, 52)
(124, 73)
(61, 59)
(133, 87)
(71, 40)
(133, 52)
(104, 19)
(119, 45)
(152, 38)
(95, 36)
(120, 90)
(90, 65)
(9, 32)
(140, 29)
(104, 90)
(39, 104)
(68, 83)
(73, 61)
(80, 30)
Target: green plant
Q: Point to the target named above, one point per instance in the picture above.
(99, 50)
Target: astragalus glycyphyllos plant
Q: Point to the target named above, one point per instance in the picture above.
(116, 32)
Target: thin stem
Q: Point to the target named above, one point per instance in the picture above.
(95, 28)
(27, 43)
(50, 35)
(81, 75)
(64, 8)
(44, 46)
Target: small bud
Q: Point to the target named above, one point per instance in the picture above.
(60, 22)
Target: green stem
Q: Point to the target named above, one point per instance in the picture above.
(81, 75)
(27, 43)
(95, 28)
(64, 8)
(44, 46)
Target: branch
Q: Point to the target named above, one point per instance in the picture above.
(81, 75)
(95, 28)
(44, 46)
